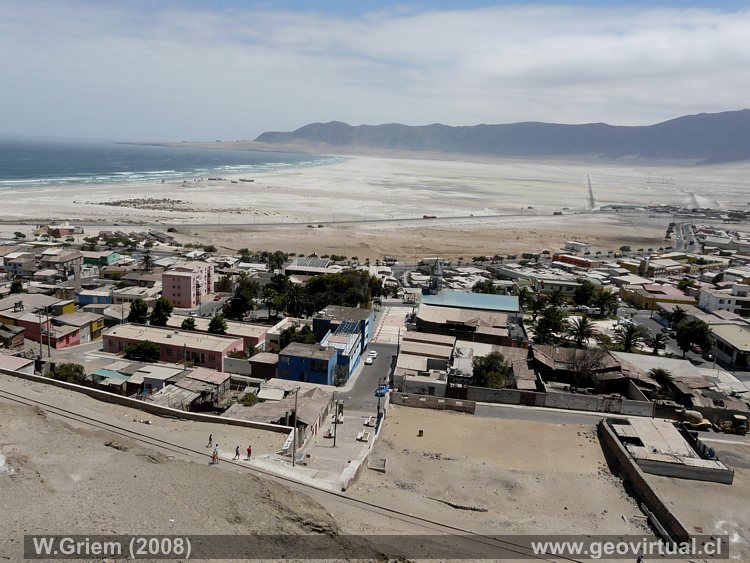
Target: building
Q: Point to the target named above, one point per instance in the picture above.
(100, 258)
(735, 300)
(468, 324)
(90, 325)
(187, 284)
(476, 301)
(263, 365)
(253, 335)
(310, 363)
(577, 246)
(310, 266)
(732, 345)
(577, 261)
(347, 341)
(649, 296)
(15, 363)
(334, 316)
(65, 229)
(62, 260)
(130, 294)
(11, 336)
(93, 297)
(196, 348)
(20, 264)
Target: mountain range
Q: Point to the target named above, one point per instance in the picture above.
(703, 138)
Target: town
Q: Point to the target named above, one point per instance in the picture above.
(652, 344)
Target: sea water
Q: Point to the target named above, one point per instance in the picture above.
(44, 162)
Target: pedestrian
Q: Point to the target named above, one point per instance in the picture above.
(249, 452)
(236, 453)
(640, 559)
(210, 440)
(215, 457)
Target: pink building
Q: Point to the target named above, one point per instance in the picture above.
(177, 346)
(187, 284)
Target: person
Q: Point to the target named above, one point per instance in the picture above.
(236, 453)
(210, 440)
(215, 457)
(249, 452)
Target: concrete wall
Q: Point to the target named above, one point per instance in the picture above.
(148, 407)
(240, 366)
(618, 456)
(429, 402)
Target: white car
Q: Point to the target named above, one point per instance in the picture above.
(368, 360)
(372, 354)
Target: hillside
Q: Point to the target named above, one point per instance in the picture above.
(703, 138)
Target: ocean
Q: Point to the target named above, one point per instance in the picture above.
(35, 163)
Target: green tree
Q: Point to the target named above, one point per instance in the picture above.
(486, 286)
(677, 316)
(556, 298)
(19, 234)
(147, 262)
(625, 248)
(245, 255)
(550, 323)
(606, 302)
(662, 376)
(684, 284)
(295, 300)
(242, 301)
(188, 324)
(536, 306)
(580, 330)
(658, 342)
(161, 312)
(145, 351)
(217, 325)
(209, 248)
(584, 293)
(16, 286)
(138, 312)
(224, 285)
(629, 336)
(305, 335)
(694, 333)
(491, 371)
(72, 373)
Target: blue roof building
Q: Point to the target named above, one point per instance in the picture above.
(478, 301)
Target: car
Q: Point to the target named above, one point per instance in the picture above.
(697, 349)
(382, 390)
(368, 361)
(217, 298)
(372, 354)
(582, 308)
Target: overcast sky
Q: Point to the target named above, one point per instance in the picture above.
(159, 70)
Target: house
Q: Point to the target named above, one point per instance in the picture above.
(347, 343)
(253, 335)
(16, 363)
(307, 362)
(732, 345)
(100, 258)
(156, 376)
(648, 296)
(263, 365)
(11, 336)
(90, 325)
(61, 260)
(130, 294)
(20, 264)
(735, 300)
(93, 297)
(577, 261)
(310, 266)
(186, 284)
(198, 348)
(60, 230)
(469, 324)
(333, 316)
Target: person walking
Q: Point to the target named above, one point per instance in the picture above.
(210, 440)
(249, 452)
(236, 453)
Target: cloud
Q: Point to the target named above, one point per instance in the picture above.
(141, 72)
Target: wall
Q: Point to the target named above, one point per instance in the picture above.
(239, 366)
(149, 407)
(618, 456)
(428, 402)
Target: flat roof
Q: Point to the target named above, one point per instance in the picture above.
(734, 335)
(79, 318)
(341, 313)
(424, 349)
(264, 358)
(13, 363)
(234, 328)
(308, 351)
(172, 337)
(429, 337)
(481, 301)
(460, 315)
(208, 376)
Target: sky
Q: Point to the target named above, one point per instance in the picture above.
(230, 69)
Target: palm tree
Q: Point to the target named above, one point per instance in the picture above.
(147, 262)
(657, 342)
(538, 303)
(556, 298)
(295, 300)
(677, 315)
(628, 336)
(580, 330)
(605, 301)
(523, 295)
(661, 375)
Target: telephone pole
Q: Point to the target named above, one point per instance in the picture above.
(294, 443)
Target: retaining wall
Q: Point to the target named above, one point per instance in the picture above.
(352, 473)
(148, 407)
(430, 402)
(637, 480)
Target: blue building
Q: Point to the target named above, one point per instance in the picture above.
(334, 316)
(93, 297)
(311, 363)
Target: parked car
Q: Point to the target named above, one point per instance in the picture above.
(368, 360)
(372, 354)
(697, 349)
(382, 390)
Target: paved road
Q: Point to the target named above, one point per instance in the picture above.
(362, 395)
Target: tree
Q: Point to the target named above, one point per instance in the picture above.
(677, 316)
(72, 373)
(556, 298)
(658, 341)
(486, 286)
(625, 248)
(580, 331)
(145, 351)
(537, 304)
(244, 254)
(209, 248)
(662, 376)
(523, 295)
(684, 284)
(242, 301)
(138, 312)
(16, 286)
(295, 300)
(147, 262)
(305, 335)
(19, 234)
(217, 325)
(606, 301)
(188, 324)
(161, 312)
(550, 323)
(584, 363)
(491, 371)
(694, 333)
(629, 336)
(584, 293)
(224, 285)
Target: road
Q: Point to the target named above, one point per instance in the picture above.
(362, 395)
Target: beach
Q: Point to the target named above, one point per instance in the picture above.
(370, 206)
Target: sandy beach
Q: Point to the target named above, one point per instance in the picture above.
(371, 206)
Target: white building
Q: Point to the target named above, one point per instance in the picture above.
(735, 300)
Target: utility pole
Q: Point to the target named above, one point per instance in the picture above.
(294, 443)
(46, 310)
(39, 314)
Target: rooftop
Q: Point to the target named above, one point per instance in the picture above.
(13, 363)
(461, 316)
(480, 301)
(341, 313)
(172, 337)
(314, 351)
(735, 335)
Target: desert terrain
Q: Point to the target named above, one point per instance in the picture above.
(373, 205)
